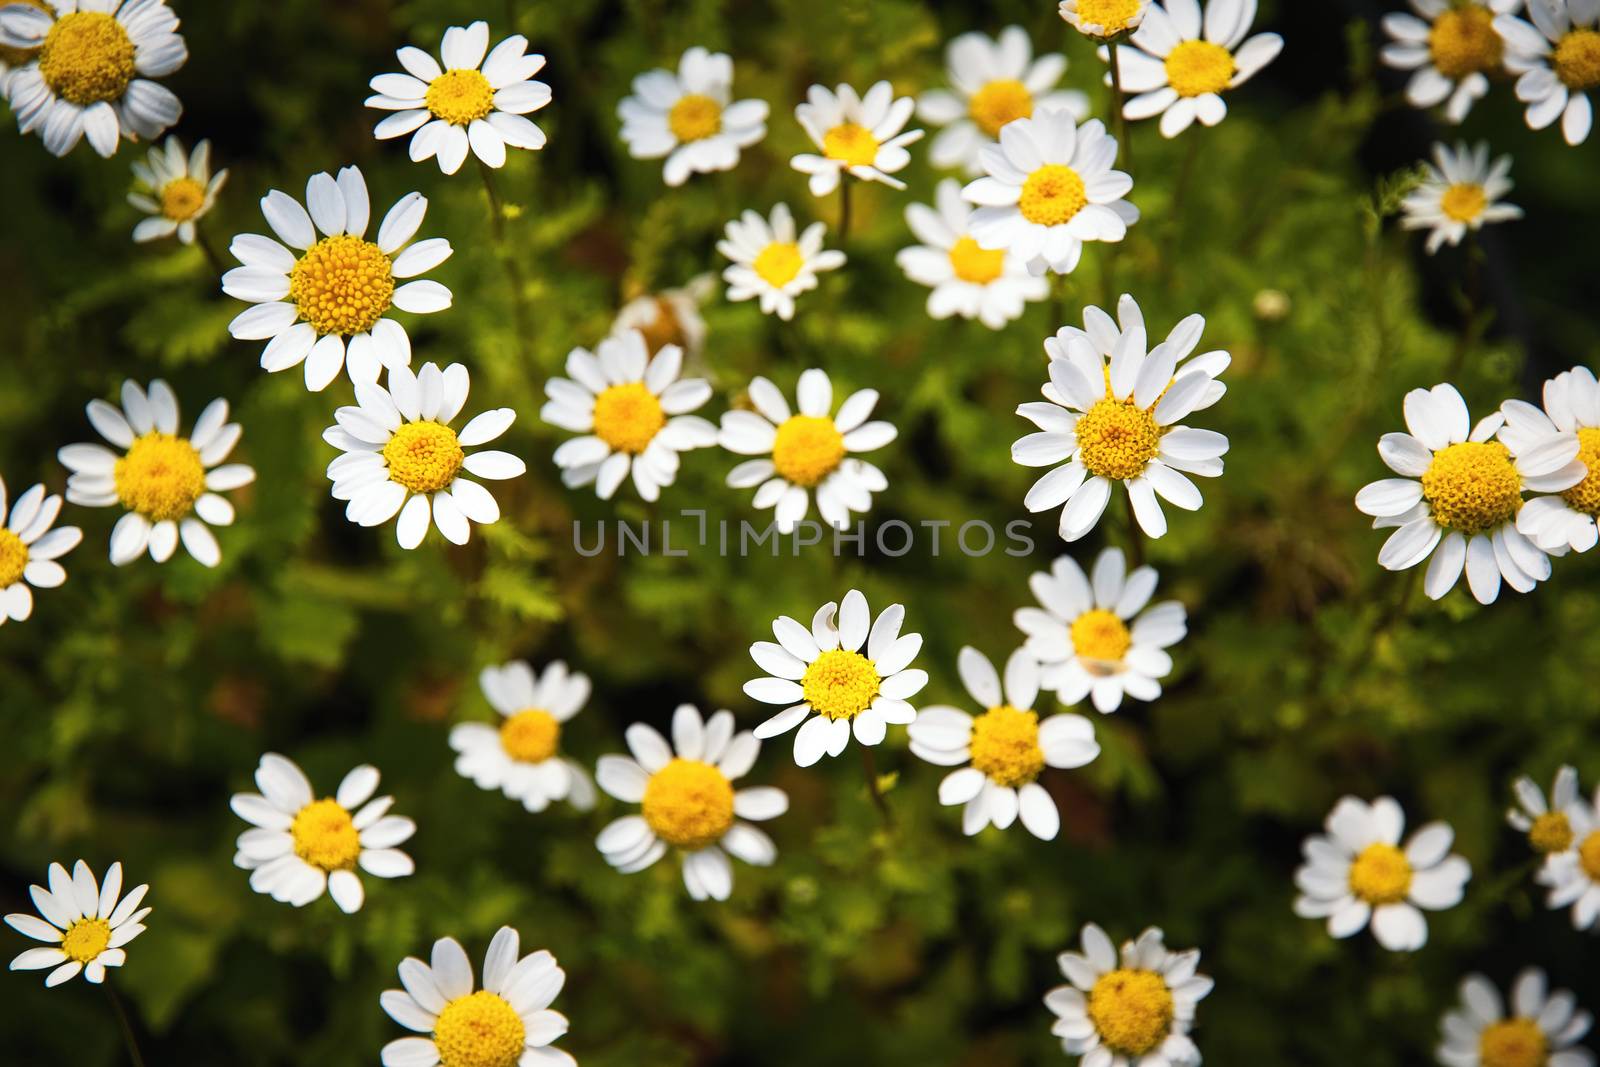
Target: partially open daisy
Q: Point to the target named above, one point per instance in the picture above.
(1573, 874)
(688, 802)
(669, 317)
(169, 485)
(468, 102)
(858, 135)
(1104, 19)
(993, 81)
(175, 189)
(770, 263)
(1132, 1012)
(1114, 415)
(1557, 56)
(507, 1023)
(85, 924)
(329, 304)
(521, 755)
(851, 675)
(1460, 491)
(1566, 520)
(633, 412)
(1547, 825)
(1049, 188)
(91, 69)
(1005, 747)
(401, 456)
(807, 452)
(29, 549)
(690, 117)
(1459, 196)
(1358, 872)
(1540, 1030)
(300, 845)
(966, 278)
(1099, 637)
(1452, 46)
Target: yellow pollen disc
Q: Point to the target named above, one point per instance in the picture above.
(325, 837)
(1577, 59)
(1116, 439)
(1464, 201)
(423, 456)
(1585, 496)
(16, 57)
(1473, 486)
(1463, 41)
(530, 736)
(13, 558)
(460, 97)
(1551, 832)
(160, 477)
(1111, 15)
(778, 263)
(87, 57)
(1053, 194)
(1380, 875)
(852, 145)
(1131, 1010)
(807, 449)
(182, 199)
(976, 264)
(1195, 68)
(840, 684)
(479, 1030)
(688, 804)
(1589, 856)
(342, 285)
(1100, 635)
(694, 117)
(1512, 1043)
(998, 103)
(628, 417)
(1005, 745)
(86, 939)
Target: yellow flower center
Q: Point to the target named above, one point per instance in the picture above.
(86, 939)
(778, 263)
(1463, 41)
(160, 477)
(87, 57)
(423, 456)
(1380, 875)
(1464, 201)
(694, 117)
(530, 736)
(479, 1030)
(840, 684)
(325, 837)
(807, 449)
(1005, 745)
(628, 417)
(1473, 486)
(976, 264)
(1116, 439)
(460, 96)
(13, 558)
(1589, 856)
(688, 804)
(998, 103)
(1195, 68)
(1585, 496)
(1551, 832)
(1053, 194)
(16, 57)
(1100, 635)
(1132, 1010)
(852, 145)
(182, 199)
(342, 285)
(1112, 16)
(1577, 59)
(1512, 1043)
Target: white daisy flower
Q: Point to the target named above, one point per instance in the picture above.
(1541, 1030)
(1558, 59)
(1136, 1012)
(993, 81)
(770, 263)
(834, 688)
(1452, 46)
(1104, 19)
(1006, 747)
(521, 756)
(507, 1023)
(1114, 415)
(1182, 62)
(1571, 408)
(176, 190)
(328, 305)
(401, 456)
(13, 58)
(690, 117)
(966, 278)
(1358, 872)
(859, 135)
(633, 412)
(811, 451)
(91, 74)
(670, 317)
(1460, 491)
(85, 923)
(1460, 194)
(1573, 874)
(1548, 826)
(29, 549)
(1096, 637)
(1050, 188)
(469, 101)
(169, 485)
(299, 845)
(688, 802)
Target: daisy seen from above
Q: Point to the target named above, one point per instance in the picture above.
(1460, 194)
(967, 279)
(691, 117)
(1566, 520)
(1540, 1030)
(85, 924)
(521, 755)
(1573, 874)
(669, 317)
(770, 263)
(29, 548)
(858, 135)
(1546, 824)
(1452, 48)
(175, 189)
(1104, 19)
(1555, 51)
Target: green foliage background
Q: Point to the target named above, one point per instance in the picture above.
(137, 699)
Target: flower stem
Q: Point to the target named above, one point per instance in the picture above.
(844, 211)
(126, 1024)
(508, 260)
(869, 763)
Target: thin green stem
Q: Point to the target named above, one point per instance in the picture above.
(1058, 302)
(844, 211)
(213, 257)
(126, 1024)
(508, 260)
(869, 763)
